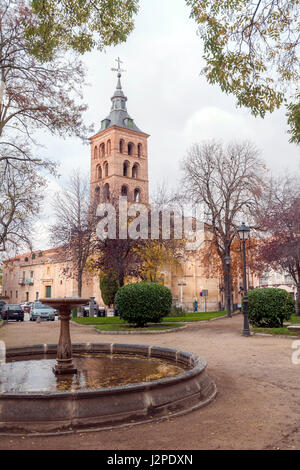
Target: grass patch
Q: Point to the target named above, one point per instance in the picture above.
(98, 320)
(198, 316)
(126, 327)
(274, 331)
(187, 317)
(281, 330)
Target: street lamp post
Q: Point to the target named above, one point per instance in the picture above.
(244, 234)
(227, 262)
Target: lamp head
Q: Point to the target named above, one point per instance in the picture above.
(244, 232)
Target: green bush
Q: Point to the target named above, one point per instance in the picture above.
(109, 287)
(143, 302)
(269, 308)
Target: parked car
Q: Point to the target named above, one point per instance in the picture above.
(12, 312)
(101, 312)
(25, 306)
(38, 310)
(98, 311)
(85, 310)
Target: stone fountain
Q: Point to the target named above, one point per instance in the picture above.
(64, 361)
(96, 385)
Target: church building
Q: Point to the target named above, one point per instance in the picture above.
(119, 167)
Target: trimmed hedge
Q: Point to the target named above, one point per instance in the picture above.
(270, 307)
(143, 302)
(109, 287)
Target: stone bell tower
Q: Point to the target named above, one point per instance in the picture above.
(119, 154)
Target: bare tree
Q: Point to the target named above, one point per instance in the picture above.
(34, 95)
(20, 198)
(226, 181)
(74, 229)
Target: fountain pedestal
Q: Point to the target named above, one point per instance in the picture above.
(64, 363)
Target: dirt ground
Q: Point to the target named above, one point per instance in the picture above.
(257, 406)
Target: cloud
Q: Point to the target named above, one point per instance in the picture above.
(214, 123)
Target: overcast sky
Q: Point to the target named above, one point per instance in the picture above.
(168, 99)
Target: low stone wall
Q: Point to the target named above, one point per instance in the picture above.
(44, 412)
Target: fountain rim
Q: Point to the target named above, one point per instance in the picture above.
(71, 302)
(196, 363)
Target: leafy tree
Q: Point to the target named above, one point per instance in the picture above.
(226, 182)
(156, 254)
(212, 264)
(279, 216)
(117, 256)
(109, 287)
(251, 50)
(79, 25)
(136, 258)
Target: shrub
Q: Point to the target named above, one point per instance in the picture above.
(109, 287)
(143, 302)
(269, 308)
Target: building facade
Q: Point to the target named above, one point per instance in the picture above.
(42, 274)
(278, 280)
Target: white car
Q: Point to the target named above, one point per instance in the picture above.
(38, 310)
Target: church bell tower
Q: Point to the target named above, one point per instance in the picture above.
(119, 154)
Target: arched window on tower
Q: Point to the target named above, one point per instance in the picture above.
(97, 194)
(102, 150)
(135, 171)
(137, 195)
(99, 172)
(124, 191)
(105, 167)
(106, 192)
(95, 152)
(108, 147)
(126, 168)
(121, 146)
(130, 148)
(140, 148)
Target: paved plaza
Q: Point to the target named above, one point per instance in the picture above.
(257, 406)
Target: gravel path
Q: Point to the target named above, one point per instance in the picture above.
(257, 406)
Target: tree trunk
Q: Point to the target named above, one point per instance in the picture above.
(121, 279)
(298, 301)
(79, 285)
(227, 288)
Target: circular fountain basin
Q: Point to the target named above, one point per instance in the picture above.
(117, 384)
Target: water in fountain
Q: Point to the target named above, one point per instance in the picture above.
(93, 372)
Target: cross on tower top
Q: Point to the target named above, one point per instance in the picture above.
(119, 70)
